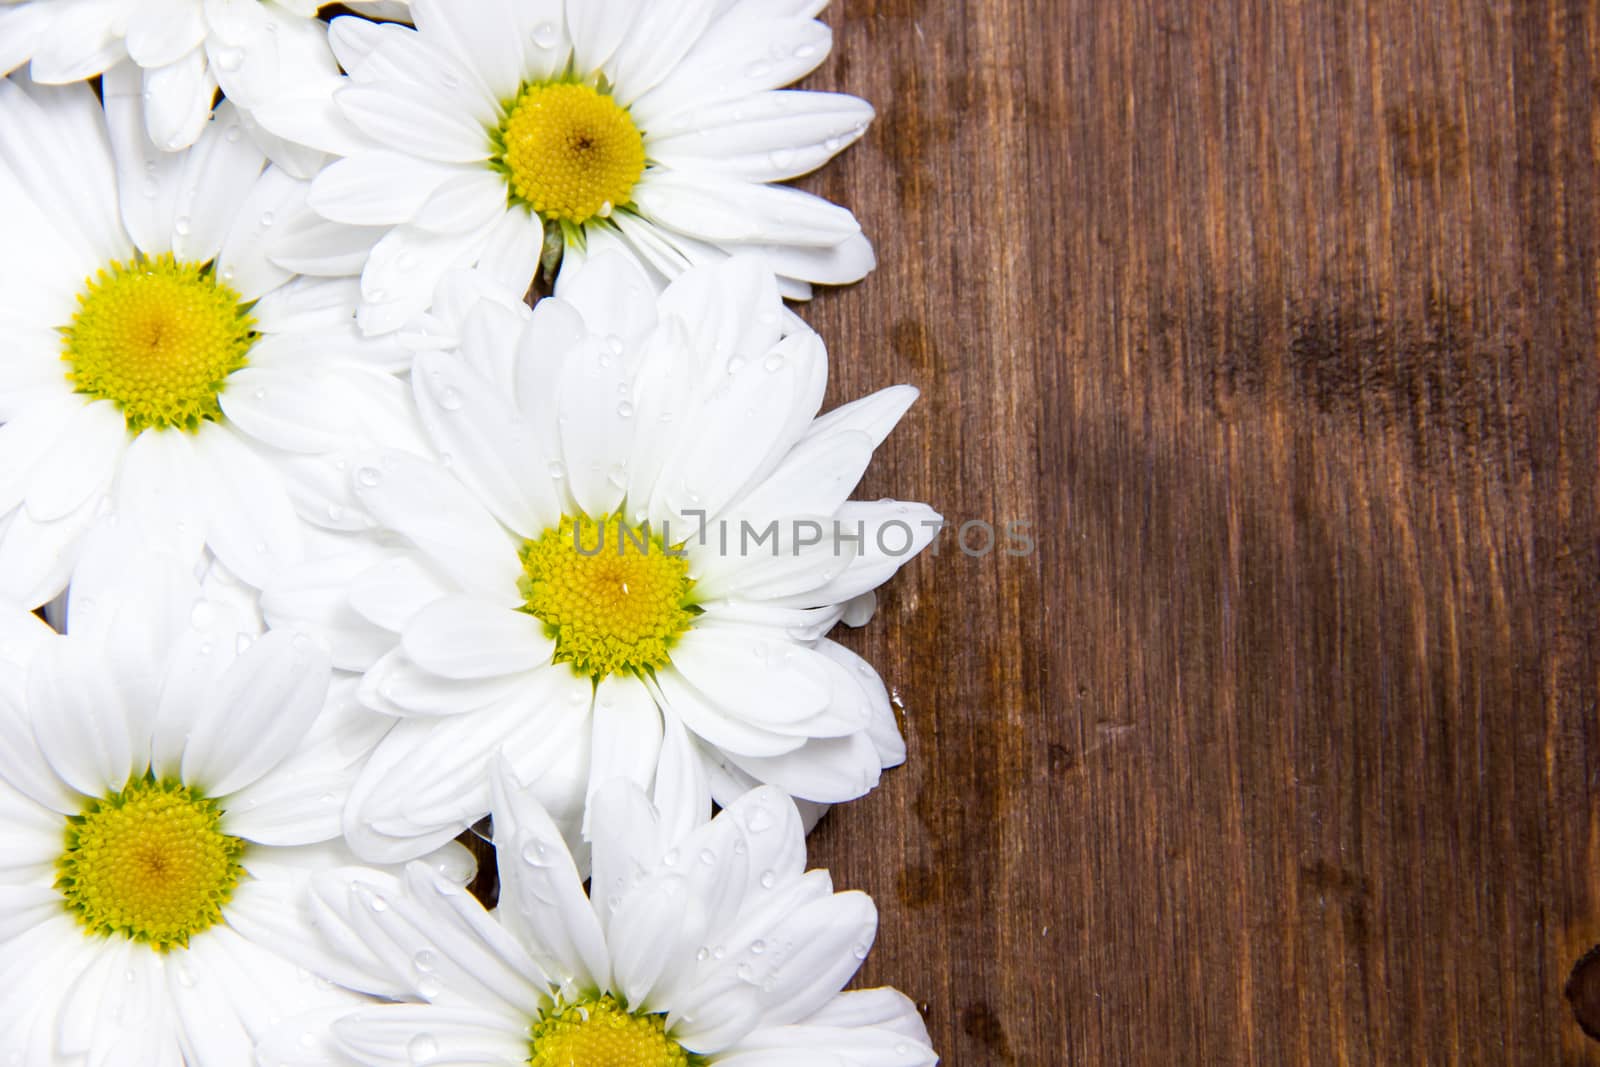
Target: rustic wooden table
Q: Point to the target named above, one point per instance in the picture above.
(1277, 319)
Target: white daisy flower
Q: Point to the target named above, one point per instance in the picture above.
(715, 948)
(628, 565)
(659, 129)
(262, 54)
(169, 781)
(158, 360)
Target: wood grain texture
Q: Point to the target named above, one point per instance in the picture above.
(1277, 319)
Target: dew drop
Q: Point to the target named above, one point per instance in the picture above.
(183, 226)
(736, 364)
(625, 410)
(768, 879)
(369, 476)
(268, 219)
(545, 35)
(230, 59)
(422, 1048)
(450, 399)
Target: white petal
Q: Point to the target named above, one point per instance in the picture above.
(155, 492)
(627, 734)
(147, 177)
(740, 55)
(392, 1033)
(378, 187)
(542, 900)
(597, 27)
(55, 141)
(597, 426)
(178, 101)
(461, 637)
(410, 120)
(462, 949)
(627, 840)
(165, 31)
(494, 451)
(394, 590)
(264, 705)
(81, 465)
(481, 34)
(769, 137)
(79, 719)
(219, 174)
(254, 530)
(436, 513)
(78, 45)
(723, 729)
(828, 770)
(728, 211)
(118, 1011)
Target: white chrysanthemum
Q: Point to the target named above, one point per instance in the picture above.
(676, 436)
(169, 781)
(158, 361)
(659, 129)
(264, 55)
(715, 948)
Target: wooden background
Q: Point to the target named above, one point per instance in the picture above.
(1277, 319)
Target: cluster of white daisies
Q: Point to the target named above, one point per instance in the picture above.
(321, 547)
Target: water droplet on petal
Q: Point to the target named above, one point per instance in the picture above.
(546, 35)
(422, 1048)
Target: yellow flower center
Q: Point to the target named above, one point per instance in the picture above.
(613, 596)
(599, 1033)
(158, 338)
(149, 863)
(570, 152)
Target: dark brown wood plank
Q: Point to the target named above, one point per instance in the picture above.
(1278, 320)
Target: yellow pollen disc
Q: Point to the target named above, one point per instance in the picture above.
(149, 863)
(158, 338)
(599, 1033)
(612, 595)
(570, 152)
